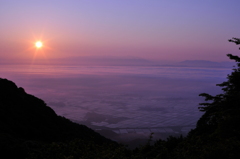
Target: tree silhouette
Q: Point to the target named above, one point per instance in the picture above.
(217, 134)
(223, 106)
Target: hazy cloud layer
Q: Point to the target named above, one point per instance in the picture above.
(119, 96)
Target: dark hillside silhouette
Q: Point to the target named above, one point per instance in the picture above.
(29, 117)
(24, 117)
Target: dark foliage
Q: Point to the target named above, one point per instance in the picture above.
(217, 134)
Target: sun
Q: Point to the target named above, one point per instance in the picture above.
(38, 44)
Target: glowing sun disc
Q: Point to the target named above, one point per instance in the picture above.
(38, 44)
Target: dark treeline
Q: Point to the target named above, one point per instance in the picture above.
(30, 129)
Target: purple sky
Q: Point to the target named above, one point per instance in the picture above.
(174, 30)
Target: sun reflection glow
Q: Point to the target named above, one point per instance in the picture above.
(38, 44)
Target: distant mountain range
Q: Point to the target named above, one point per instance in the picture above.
(205, 63)
(131, 61)
(106, 61)
(119, 61)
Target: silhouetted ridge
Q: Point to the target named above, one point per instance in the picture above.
(27, 117)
